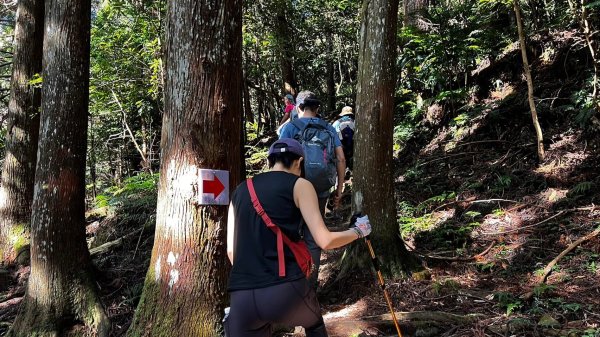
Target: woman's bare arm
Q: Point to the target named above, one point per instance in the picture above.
(305, 198)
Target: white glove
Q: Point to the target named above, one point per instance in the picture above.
(362, 226)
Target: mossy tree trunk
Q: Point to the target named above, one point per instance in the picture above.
(60, 291)
(18, 172)
(373, 188)
(527, 70)
(185, 288)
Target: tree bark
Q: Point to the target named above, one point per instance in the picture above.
(331, 92)
(373, 188)
(589, 39)
(18, 172)
(60, 291)
(285, 46)
(527, 70)
(185, 288)
(412, 10)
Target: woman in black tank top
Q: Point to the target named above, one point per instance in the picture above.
(260, 293)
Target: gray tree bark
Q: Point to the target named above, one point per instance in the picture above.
(185, 288)
(18, 172)
(60, 291)
(373, 188)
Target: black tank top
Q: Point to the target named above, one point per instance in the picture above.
(255, 262)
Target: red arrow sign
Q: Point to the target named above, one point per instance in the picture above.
(213, 186)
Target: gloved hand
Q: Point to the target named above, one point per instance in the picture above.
(362, 226)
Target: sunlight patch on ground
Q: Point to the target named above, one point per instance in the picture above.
(552, 195)
(354, 310)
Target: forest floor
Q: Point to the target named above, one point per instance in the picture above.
(482, 213)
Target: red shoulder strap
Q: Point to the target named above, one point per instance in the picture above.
(260, 210)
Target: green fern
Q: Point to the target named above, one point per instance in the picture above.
(582, 188)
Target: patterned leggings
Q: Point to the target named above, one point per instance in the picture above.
(293, 303)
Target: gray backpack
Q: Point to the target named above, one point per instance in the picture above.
(319, 153)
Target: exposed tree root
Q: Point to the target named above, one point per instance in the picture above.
(50, 319)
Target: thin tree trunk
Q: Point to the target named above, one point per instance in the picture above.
(18, 172)
(373, 189)
(527, 70)
(262, 119)
(330, 75)
(93, 160)
(60, 291)
(185, 288)
(587, 32)
(247, 105)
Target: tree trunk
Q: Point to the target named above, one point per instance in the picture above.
(331, 92)
(373, 188)
(18, 172)
(285, 46)
(247, 104)
(185, 288)
(589, 39)
(60, 291)
(412, 10)
(527, 70)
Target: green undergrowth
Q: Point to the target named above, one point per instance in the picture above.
(126, 207)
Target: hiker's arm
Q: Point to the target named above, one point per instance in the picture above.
(341, 173)
(230, 233)
(285, 117)
(305, 198)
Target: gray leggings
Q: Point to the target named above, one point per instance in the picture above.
(293, 303)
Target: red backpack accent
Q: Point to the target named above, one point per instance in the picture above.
(299, 248)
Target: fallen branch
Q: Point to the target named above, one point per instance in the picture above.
(438, 316)
(481, 201)
(446, 157)
(552, 263)
(525, 227)
(458, 258)
(106, 247)
(484, 141)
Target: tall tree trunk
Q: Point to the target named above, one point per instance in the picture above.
(247, 104)
(331, 93)
(285, 46)
(262, 118)
(185, 288)
(60, 291)
(527, 70)
(373, 188)
(18, 172)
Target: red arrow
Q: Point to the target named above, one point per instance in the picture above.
(213, 186)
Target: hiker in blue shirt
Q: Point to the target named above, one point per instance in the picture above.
(308, 106)
(345, 130)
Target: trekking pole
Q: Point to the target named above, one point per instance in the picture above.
(375, 262)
